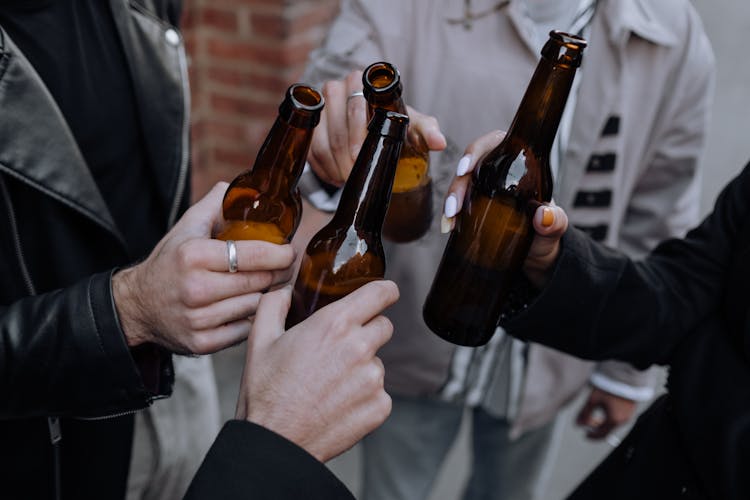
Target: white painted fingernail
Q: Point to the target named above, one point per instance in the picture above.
(446, 224)
(451, 204)
(463, 165)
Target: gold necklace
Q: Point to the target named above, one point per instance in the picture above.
(470, 16)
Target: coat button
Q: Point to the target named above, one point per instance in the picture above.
(173, 38)
(629, 451)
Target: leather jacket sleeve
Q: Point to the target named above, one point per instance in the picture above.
(250, 461)
(76, 361)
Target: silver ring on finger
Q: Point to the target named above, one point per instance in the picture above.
(232, 256)
(357, 93)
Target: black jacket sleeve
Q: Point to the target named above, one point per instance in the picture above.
(599, 304)
(248, 461)
(64, 353)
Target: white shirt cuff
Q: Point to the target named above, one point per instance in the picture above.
(621, 389)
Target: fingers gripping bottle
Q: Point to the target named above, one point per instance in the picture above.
(348, 251)
(493, 232)
(264, 202)
(410, 211)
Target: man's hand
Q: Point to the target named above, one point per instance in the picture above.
(319, 384)
(183, 297)
(343, 127)
(604, 412)
(550, 221)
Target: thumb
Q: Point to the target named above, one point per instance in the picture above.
(550, 223)
(205, 214)
(270, 317)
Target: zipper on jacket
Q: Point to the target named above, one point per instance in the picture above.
(53, 423)
(55, 434)
(184, 160)
(17, 240)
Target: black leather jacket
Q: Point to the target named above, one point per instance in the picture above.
(62, 351)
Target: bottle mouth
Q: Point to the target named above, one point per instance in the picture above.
(564, 49)
(381, 77)
(305, 97)
(570, 41)
(302, 105)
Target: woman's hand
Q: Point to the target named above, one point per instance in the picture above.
(550, 221)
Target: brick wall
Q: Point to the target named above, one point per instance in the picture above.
(243, 55)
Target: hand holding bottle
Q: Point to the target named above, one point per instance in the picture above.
(550, 221)
(343, 127)
(491, 241)
(183, 296)
(319, 384)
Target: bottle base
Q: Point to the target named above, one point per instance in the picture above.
(458, 335)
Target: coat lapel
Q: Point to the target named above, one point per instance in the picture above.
(40, 149)
(155, 55)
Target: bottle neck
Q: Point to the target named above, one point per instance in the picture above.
(390, 102)
(365, 197)
(538, 117)
(282, 156)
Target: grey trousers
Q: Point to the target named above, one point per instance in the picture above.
(173, 435)
(403, 457)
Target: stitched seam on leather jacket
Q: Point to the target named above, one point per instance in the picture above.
(17, 238)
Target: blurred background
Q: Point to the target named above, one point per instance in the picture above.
(244, 54)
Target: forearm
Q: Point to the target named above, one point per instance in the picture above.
(600, 305)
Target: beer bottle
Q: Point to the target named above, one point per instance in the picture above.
(493, 232)
(410, 212)
(264, 202)
(348, 252)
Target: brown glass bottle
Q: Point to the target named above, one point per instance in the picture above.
(494, 230)
(410, 212)
(348, 251)
(264, 203)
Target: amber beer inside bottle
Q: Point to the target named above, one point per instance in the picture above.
(348, 251)
(493, 232)
(409, 214)
(264, 203)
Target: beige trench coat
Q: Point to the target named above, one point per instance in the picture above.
(630, 173)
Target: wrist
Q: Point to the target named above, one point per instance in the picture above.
(129, 308)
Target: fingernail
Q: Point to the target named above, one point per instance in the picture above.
(548, 217)
(446, 224)
(463, 165)
(451, 204)
(355, 151)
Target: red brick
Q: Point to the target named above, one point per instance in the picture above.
(228, 105)
(221, 19)
(241, 158)
(248, 79)
(268, 25)
(231, 132)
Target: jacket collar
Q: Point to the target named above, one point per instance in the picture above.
(626, 17)
(156, 58)
(38, 146)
